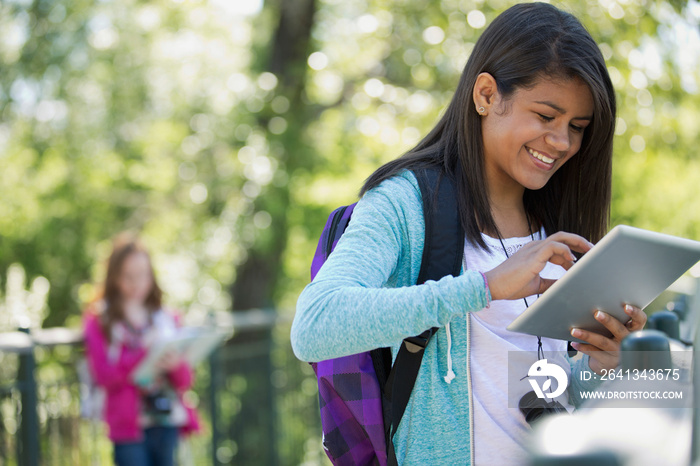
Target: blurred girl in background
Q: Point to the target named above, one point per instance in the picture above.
(120, 326)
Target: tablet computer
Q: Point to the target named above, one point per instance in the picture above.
(191, 343)
(629, 265)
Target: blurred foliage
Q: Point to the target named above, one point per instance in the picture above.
(162, 117)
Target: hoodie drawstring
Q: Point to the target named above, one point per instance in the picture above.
(450, 373)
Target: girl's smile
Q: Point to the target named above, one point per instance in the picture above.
(546, 161)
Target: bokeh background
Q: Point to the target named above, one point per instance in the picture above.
(225, 131)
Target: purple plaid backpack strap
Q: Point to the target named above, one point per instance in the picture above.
(335, 227)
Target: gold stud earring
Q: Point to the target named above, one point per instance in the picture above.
(481, 110)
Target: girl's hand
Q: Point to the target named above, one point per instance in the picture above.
(168, 362)
(604, 352)
(519, 275)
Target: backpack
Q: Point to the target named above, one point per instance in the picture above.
(362, 397)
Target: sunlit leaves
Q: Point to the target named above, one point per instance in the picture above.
(161, 116)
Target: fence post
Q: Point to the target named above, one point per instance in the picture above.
(272, 427)
(29, 420)
(214, 383)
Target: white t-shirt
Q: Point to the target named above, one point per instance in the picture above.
(501, 432)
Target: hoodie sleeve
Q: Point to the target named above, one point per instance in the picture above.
(350, 308)
(111, 375)
(182, 377)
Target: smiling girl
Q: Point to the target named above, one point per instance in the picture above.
(527, 144)
(144, 421)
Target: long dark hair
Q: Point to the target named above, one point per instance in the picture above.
(524, 43)
(125, 244)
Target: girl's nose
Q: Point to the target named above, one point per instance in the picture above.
(558, 139)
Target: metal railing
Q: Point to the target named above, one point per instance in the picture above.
(258, 404)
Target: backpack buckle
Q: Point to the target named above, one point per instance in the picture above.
(419, 342)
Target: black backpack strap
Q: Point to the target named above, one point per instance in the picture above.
(444, 237)
(442, 255)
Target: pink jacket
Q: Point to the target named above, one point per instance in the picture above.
(123, 398)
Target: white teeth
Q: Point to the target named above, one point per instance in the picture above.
(537, 155)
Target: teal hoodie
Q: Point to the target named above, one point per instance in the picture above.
(365, 297)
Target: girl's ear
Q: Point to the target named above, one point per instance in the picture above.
(485, 91)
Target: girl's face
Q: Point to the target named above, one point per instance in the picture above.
(531, 135)
(135, 280)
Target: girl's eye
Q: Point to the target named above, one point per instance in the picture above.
(547, 119)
